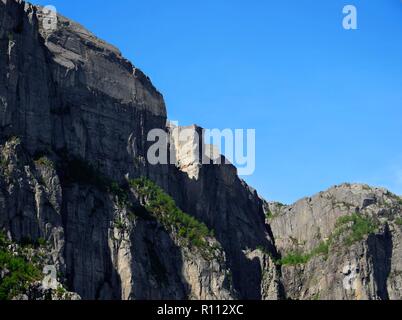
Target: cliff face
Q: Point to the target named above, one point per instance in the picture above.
(344, 243)
(74, 120)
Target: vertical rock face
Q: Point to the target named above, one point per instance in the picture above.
(345, 244)
(215, 195)
(68, 91)
(74, 121)
(74, 116)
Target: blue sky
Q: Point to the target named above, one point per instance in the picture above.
(326, 103)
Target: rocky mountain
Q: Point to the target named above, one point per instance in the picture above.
(77, 194)
(344, 243)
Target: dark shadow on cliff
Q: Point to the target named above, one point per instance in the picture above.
(154, 268)
(380, 252)
(157, 262)
(87, 217)
(234, 212)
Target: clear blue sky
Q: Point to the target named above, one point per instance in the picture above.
(326, 103)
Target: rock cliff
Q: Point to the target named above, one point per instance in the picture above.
(74, 178)
(340, 244)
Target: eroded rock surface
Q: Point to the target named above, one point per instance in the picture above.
(351, 235)
(74, 121)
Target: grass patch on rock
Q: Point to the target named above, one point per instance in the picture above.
(17, 272)
(44, 162)
(294, 258)
(165, 210)
(398, 221)
(357, 226)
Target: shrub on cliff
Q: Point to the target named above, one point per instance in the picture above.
(17, 272)
(164, 208)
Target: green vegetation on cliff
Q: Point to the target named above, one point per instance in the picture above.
(296, 258)
(357, 227)
(17, 272)
(354, 227)
(164, 208)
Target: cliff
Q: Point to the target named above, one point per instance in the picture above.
(342, 244)
(74, 120)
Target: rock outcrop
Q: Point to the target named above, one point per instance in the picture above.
(74, 122)
(340, 244)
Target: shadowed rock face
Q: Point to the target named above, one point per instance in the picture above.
(74, 120)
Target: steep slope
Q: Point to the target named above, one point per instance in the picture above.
(344, 243)
(74, 119)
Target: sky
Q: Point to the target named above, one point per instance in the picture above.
(326, 103)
